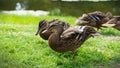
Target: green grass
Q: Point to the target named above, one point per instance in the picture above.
(20, 48)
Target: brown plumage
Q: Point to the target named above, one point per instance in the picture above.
(43, 24)
(114, 22)
(94, 19)
(70, 39)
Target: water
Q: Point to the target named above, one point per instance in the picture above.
(74, 8)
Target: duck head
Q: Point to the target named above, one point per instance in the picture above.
(41, 26)
(55, 27)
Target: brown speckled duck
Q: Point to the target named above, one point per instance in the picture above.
(43, 24)
(114, 22)
(94, 19)
(70, 39)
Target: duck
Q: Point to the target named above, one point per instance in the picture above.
(43, 25)
(94, 19)
(70, 39)
(114, 22)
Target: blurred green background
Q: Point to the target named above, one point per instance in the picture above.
(62, 7)
(20, 48)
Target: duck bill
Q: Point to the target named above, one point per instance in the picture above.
(41, 23)
(38, 31)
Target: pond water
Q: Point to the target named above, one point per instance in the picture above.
(75, 8)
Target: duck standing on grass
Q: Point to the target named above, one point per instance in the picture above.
(70, 39)
(94, 19)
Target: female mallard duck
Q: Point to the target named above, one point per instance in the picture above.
(44, 24)
(94, 19)
(114, 22)
(70, 39)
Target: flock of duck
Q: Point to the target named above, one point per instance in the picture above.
(63, 37)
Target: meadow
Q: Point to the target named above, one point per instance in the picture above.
(20, 48)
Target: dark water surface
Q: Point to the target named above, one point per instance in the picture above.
(65, 8)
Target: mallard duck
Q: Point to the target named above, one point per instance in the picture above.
(43, 24)
(94, 19)
(114, 22)
(70, 39)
